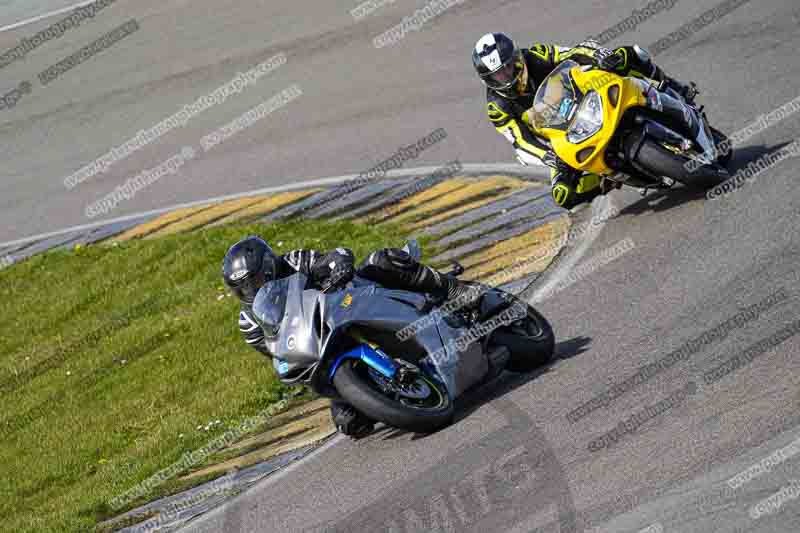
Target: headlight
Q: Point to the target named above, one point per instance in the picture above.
(589, 119)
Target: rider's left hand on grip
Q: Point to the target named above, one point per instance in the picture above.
(606, 59)
(339, 276)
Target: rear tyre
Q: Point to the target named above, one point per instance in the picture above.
(661, 162)
(531, 342)
(422, 407)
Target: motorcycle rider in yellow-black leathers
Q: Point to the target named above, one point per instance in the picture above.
(512, 75)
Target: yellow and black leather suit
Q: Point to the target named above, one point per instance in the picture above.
(506, 112)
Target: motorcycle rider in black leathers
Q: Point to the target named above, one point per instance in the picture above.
(251, 262)
(512, 75)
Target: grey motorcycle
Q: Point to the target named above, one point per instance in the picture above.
(395, 355)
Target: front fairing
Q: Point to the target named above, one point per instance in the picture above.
(284, 309)
(557, 103)
(311, 321)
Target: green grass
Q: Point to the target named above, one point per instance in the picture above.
(112, 356)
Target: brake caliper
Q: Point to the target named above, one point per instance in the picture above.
(406, 372)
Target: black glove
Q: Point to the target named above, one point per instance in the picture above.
(551, 159)
(606, 59)
(589, 43)
(339, 276)
(561, 167)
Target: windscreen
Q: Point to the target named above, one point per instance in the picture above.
(555, 100)
(270, 305)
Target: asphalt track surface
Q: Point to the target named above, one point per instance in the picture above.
(513, 461)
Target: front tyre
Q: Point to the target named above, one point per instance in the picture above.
(662, 162)
(422, 407)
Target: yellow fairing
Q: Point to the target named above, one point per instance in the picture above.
(592, 150)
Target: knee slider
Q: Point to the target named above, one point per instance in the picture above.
(562, 193)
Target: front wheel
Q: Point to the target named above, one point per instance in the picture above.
(422, 407)
(662, 162)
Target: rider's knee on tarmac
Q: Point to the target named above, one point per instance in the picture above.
(563, 194)
(585, 189)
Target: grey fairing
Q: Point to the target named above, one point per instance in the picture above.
(298, 346)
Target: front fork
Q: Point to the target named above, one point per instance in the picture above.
(373, 357)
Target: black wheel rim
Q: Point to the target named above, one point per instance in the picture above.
(424, 394)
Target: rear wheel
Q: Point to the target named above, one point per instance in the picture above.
(531, 342)
(422, 406)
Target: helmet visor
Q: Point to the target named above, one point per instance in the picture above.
(505, 76)
(247, 288)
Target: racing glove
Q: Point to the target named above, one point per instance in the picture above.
(606, 59)
(589, 43)
(338, 278)
(557, 164)
(333, 269)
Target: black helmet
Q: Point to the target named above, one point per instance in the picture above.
(498, 61)
(247, 266)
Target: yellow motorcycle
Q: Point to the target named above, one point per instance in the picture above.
(626, 129)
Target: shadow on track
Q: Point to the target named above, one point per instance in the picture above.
(495, 389)
(508, 475)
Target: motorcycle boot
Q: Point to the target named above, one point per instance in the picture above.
(466, 294)
(349, 421)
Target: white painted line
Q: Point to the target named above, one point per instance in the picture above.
(224, 507)
(37, 18)
(600, 211)
(291, 467)
(296, 185)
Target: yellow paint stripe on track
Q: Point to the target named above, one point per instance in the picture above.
(266, 205)
(312, 426)
(205, 217)
(460, 196)
(166, 219)
(411, 202)
(516, 258)
(517, 244)
(441, 217)
(190, 218)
